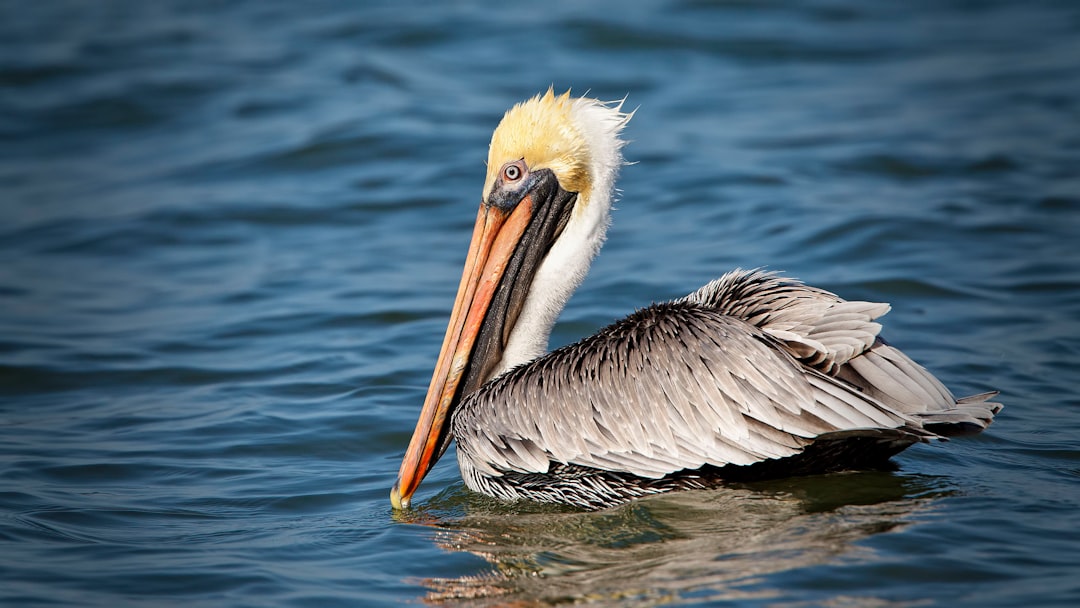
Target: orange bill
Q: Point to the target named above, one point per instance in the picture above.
(495, 239)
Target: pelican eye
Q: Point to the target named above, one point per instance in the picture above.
(512, 172)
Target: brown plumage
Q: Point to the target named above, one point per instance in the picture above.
(750, 376)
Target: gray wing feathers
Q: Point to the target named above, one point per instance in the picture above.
(967, 416)
(815, 326)
(677, 389)
(891, 377)
(840, 338)
(748, 368)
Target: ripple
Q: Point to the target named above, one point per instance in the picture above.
(907, 287)
(910, 168)
(604, 36)
(230, 235)
(37, 74)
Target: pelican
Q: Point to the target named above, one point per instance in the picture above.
(751, 376)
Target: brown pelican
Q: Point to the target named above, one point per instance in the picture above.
(751, 376)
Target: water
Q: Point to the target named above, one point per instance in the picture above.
(230, 235)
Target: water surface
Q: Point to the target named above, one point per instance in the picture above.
(230, 236)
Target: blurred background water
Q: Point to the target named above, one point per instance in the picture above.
(230, 233)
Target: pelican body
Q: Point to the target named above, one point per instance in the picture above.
(752, 376)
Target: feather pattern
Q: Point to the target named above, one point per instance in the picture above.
(750, 369)
(753, 375)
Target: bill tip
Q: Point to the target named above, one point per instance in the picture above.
(396, 500)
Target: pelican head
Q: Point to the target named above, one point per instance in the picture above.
(551, 171)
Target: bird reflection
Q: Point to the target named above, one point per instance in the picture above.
(722, 544)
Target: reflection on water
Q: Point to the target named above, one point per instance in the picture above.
(716, 545)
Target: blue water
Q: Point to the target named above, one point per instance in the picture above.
(230, 234)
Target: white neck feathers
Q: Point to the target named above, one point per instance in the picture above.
(566, 264)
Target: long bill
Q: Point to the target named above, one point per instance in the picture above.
(495, 238)
(508, 245)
